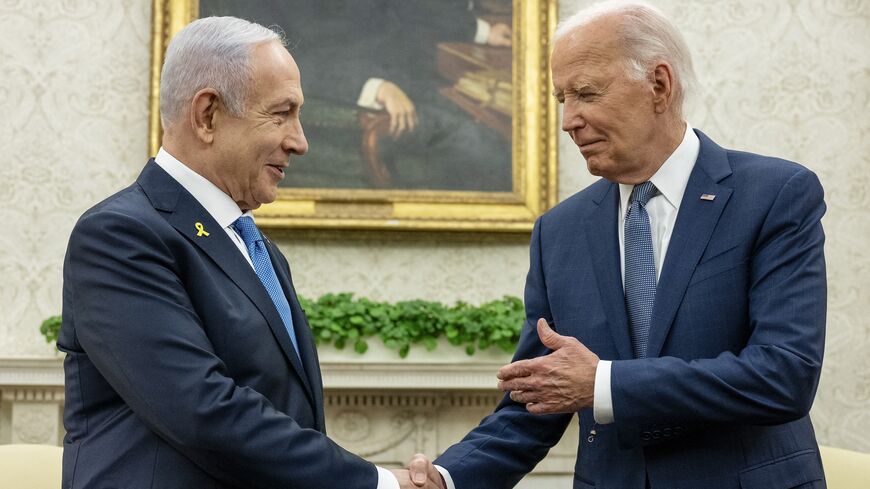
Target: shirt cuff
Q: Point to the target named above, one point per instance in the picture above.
(602, 406)
(386, 479)
(368, 96)
(446, 475)
(482, 34)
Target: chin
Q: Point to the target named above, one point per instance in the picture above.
(267, 198)
(265, 193)
(594, 168)
(601, 168)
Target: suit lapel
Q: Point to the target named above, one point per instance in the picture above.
(696, 221)
(184, 212)
(304, 337)
(602, 234)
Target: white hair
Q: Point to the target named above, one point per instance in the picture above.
(647, 37)
(212, 52)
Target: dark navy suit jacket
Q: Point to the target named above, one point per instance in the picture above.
(736, 339)
(179, 371)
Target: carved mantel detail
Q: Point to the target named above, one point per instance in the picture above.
(31, 401)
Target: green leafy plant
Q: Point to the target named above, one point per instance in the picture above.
(50, 329)
(342, 320)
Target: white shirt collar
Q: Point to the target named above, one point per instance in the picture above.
(220, 205)
(673, 176)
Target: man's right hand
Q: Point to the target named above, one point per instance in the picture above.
(420, 474)
(403, 114)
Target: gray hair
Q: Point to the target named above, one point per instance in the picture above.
(212, 52)
(647, 36)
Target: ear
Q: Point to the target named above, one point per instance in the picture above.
(663, 87)
(203, 108)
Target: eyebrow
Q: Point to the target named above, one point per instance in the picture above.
(576, 88)
(289, 101)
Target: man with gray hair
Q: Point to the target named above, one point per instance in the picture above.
(676, 306)
(189, 362)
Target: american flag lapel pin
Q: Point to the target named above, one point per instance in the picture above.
(708, 196)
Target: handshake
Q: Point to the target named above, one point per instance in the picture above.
(560, 382)
(419, 474)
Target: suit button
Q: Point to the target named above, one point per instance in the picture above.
(667, 432)
(645, 436)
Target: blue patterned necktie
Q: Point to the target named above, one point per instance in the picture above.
(263, 266)
(640, 269)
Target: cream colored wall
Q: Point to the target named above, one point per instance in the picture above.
(788, 78)
(73, 105)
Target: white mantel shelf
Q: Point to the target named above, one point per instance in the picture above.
(409, 376)
(43, 372)
(445, 368)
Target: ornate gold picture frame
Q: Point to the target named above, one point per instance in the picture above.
(379, 203)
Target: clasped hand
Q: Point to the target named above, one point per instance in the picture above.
(561, 382)
(419, 474)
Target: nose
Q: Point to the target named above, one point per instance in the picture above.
(572, 116)
(295, 141)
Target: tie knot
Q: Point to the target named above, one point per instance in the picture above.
(247, 230)
(643, 192)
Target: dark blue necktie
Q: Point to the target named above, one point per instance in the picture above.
(640, 269)
(263, 266)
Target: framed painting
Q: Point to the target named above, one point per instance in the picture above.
(420, 114)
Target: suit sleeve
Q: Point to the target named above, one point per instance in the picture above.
(510, 442)
(773, 378)
(135, 321)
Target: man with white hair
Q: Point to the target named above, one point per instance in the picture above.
(676, 306)
(189, 362)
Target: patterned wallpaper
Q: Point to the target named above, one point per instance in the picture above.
(787, 77)
(73, 125)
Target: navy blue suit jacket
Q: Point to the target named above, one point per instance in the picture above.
(735, 346)
(179, 371)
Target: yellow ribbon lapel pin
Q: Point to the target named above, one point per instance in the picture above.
(200, 230)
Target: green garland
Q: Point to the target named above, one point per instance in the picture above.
(341, 320)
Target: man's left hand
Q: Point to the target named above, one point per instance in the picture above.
(561, 382)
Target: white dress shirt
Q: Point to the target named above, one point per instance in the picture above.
(671, 180)
(219, 205)
(225, 211)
